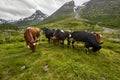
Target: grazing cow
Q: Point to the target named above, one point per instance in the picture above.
(88, 38)
(30, 35)
(48, 33)
(62, 35)
(98, 37)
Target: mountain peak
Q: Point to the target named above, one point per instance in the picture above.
(68, 6)
(38, 15)
(38, 12)
(66, 10)
(35, 18)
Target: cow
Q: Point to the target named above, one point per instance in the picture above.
(48, 33)
(61, 35)
(88, 38)
(31, 34)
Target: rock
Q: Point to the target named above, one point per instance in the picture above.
(46, 68)
(103, 78)
(23, 67)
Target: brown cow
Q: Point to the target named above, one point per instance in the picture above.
(30, 35)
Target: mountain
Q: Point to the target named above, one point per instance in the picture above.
(63, 12)
(38, 15)
(34, 19)
(103, 12)
(3, 21)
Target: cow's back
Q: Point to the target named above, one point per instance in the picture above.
(60, 34)
(28, 35)
(80, 35)
(35, 32)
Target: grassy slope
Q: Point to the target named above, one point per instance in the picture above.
(64, 63)
(70, 24)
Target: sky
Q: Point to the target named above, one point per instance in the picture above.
(17, 9)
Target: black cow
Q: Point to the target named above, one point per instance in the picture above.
(48, 33)
(62, 35)
(87, 37)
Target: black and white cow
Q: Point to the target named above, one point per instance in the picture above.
(88, 38)
(61, 35)
(48, 33)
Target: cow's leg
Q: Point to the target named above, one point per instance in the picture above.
(27, 42)
(86, 50)
(73, 43)
(86, 47)
(48, 40)
(39, 37)
(68, 42)
(58, 41)
(62, 42)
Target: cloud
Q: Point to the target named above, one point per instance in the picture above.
(16, 9)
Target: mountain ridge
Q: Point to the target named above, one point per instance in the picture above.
(65, 11)
(103, 12)
(3, 21)
(34, 19)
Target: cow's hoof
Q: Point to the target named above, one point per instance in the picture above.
(86, 50)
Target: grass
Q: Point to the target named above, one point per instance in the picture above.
(64, 63)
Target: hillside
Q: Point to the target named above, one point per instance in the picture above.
(63, 12)
(103, 12)
(18, 63)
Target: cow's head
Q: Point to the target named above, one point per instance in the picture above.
(44, 29)
(96, 48)
(32, 46)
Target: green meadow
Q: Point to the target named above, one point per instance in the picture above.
(17, 62)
